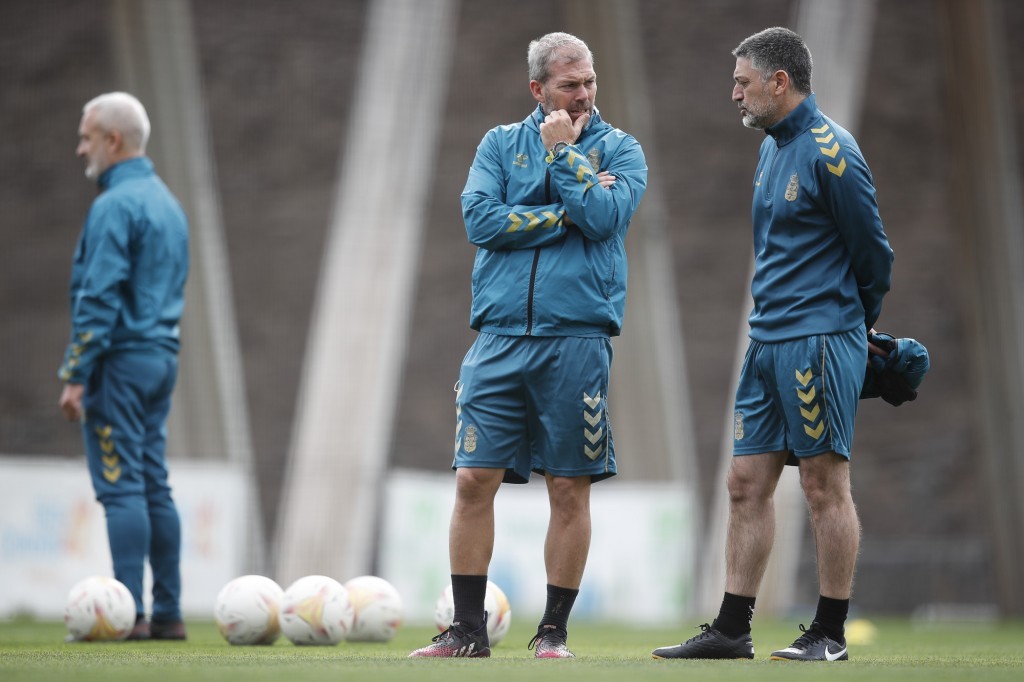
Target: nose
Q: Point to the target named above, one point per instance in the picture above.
(737, 93)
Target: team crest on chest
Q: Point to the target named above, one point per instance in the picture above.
(594, 158)
(792, 187)
(520, 160)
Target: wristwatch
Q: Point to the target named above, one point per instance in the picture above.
(559, 146)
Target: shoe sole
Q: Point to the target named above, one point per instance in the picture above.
(723, 658)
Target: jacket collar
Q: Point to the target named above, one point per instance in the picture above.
(139, 166)
(795, 123)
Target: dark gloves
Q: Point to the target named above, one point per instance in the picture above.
(895, 379)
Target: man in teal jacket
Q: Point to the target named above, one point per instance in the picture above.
(822, 266)
(548, 203)
(127, 296)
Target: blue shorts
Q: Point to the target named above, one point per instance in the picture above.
(800, 396)
(529, 403)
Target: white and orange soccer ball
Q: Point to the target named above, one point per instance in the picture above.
(99, 609)
(316, 610)
(496, 605)
(377, 607)
(246, 610)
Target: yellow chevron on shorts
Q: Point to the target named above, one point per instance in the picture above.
(804, 378)
(810, 415)
(592, 414)
(806, 396)
(816, 431)
(112, 474)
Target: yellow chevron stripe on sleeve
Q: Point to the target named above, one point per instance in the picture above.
(830, 151)
(553, 218)
(824, 140)
(583, 171)
(837, 170)
(534, 221)
(516, 222)
(819, 131)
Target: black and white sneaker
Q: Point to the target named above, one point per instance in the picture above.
(458, 642)
(813, 645)
(710, 643)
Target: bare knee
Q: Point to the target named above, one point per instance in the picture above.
(476, 487)
(746, 487)
(569, 497)
(825, 482)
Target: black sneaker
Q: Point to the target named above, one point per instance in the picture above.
(709, 644)
(549, 642)
(813, 645)
(456, 642)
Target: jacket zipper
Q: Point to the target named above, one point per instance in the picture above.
(536, 260)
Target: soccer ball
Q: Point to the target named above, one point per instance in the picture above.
(496, 605)
(499, 619)
(99, 609)
(377, 607)
(316, 610)
(246, 610)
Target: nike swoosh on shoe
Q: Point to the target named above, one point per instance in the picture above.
(829, 656)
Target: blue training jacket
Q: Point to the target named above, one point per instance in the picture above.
(129, 271)
(534, 275)
(822, 263)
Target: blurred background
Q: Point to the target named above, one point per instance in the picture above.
(320, 147)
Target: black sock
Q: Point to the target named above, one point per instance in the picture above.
(559, 604)
(831, 617)
(468, 592)
(735, 615)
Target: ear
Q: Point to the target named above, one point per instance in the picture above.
(779, 82)
(537, 90)
(115, 139)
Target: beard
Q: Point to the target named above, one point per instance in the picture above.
(759, 114)
(575, 111)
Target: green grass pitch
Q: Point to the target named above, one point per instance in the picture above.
(36, 651)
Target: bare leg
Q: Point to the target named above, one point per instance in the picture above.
(826, 483)
(568, 540)
(471, 533)
(752, 480)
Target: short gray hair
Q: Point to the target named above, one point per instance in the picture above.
(778, 49)
(124, 113)
(544, 50)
